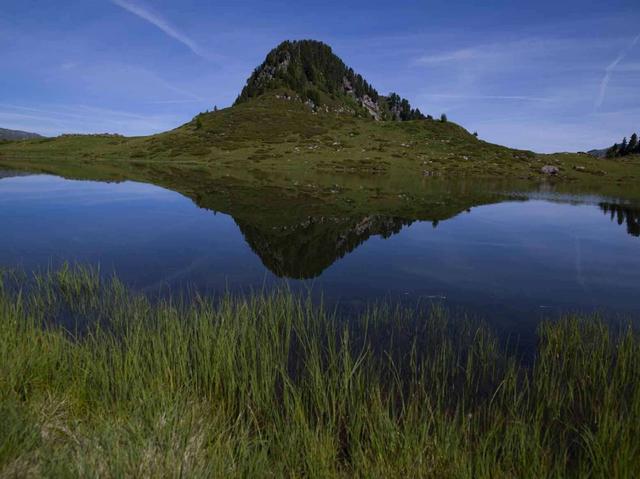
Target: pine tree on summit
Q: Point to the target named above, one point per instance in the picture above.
(311, 70)
(612, 152)
(632, 147)
(623, 148)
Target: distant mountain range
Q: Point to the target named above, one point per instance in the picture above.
(17, 135)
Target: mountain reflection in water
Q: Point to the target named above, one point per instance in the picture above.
(306, 249)
(496, 254)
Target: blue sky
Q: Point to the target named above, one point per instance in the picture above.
(559, 75)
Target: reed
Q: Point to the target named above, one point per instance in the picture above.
(97, 381)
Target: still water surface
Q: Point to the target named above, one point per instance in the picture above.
(509, 262)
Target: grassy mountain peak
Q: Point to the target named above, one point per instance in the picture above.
(308, 70)
(277, 150)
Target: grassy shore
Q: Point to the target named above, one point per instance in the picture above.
(273, 147)
(273, 386)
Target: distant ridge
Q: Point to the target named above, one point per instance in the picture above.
(602, 153)
(6, 134)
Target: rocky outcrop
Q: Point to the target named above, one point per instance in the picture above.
(269, 72)
(550, 170)
(372, 107)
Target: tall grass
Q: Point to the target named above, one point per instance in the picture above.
(273, 386)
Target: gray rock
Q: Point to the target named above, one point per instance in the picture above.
(550, 170)
(372, 107)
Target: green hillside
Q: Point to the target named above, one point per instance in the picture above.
(330, 151)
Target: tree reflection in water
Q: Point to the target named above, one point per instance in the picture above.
(624, 214)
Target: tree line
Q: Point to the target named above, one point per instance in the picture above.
(400, 109)
(304, 66)
(631, 147)
(624, 214)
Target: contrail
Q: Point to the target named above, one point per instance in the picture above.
(159, 22)
(611, 67)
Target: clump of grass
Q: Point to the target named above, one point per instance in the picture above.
(272, 385)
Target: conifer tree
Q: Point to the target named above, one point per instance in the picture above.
(633, 144)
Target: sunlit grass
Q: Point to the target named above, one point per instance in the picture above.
(272, 385)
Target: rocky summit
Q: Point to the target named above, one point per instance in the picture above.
(309, 71)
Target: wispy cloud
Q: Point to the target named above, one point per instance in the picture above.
(57, 119)
(454, 56)
(173, 102)
(512, 53)
(180, 91)
(610, 69)
(488, 97)
(122, 79)
(159, 22)
(506, 51)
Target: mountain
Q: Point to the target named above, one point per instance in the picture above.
(17, 135)
(598, 153)
(309, 134)
(315, 75)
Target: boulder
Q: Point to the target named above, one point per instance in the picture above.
(550, 170)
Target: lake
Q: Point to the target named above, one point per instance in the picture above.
(511, 262)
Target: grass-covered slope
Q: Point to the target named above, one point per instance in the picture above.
(272, 386)
(272, 163)
(304, 124)
(270, 149)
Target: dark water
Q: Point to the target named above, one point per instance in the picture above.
(510, 262)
